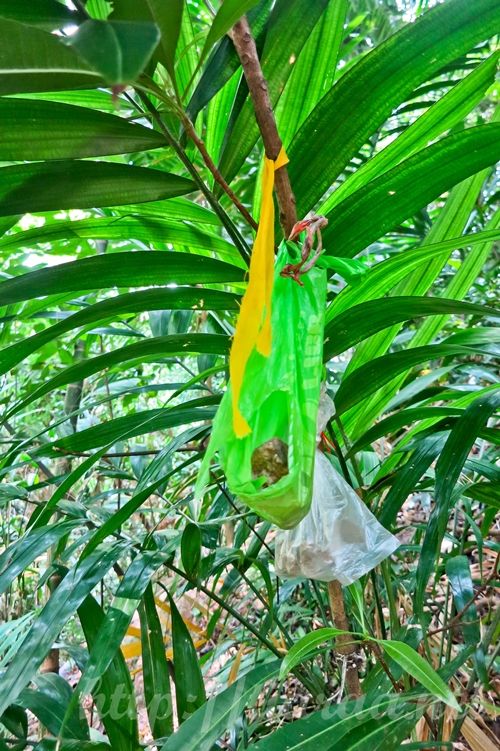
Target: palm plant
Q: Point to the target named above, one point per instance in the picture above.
(129, 196)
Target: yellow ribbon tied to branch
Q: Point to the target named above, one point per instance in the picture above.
(253, 328)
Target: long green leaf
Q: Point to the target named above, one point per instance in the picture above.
(47, 14)
(152, 230)
(180, 298)
(365, 319)
(345, 118)
(115, 692)
(64, 601)
(132, 425)
(448, 469)
(373, 375)
(224, 62)
(391, 198)
(36, 130)
(189, 686)
(451, 221)
(306, 646)
(440, 117)
(203, 728)
(49, 701)
(117, 618)
(459, 574)
(32, 60)
(407, 477)
(167, 15)
(21, 553)
(397, 420)
(158, 347)
(227, 15)
(416, 666)
(382, 277)
(118, 270)
(81, 185)
(155, 669)
(314, 71)
(329, 727)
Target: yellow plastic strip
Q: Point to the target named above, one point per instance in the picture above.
(253, 328)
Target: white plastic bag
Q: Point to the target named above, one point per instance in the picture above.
(339, 538)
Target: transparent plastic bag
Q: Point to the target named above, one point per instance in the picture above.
(339, 538)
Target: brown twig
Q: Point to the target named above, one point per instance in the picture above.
(345, 645)
(247, 52)
(199, 143)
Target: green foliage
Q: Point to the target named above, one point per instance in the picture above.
(121, 281)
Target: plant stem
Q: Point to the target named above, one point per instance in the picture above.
(345, 645)
(257, 85)
(228, 224)
(191, 132)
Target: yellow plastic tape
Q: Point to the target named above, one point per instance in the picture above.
(253, 328)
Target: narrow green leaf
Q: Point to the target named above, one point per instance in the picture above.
(314, 71)
(330, 727)
(118, 270)
(365, 319)
(418, 668)
(180, 298)
(191, 549)
(157, 347)
(117, 50)
(189, 686)
(373, 375)
(391, 198)
(390, 72)
(139, 423)
(168, 17)
(452, 219)
(36, 130)
(64, 601)
(117, 619)
(42, 513)
(224, 62)
(67, 744)
(306, 647)
(49, 701)
(458, 572)
(33, 60)
(111, 525)
(21, 553)
(115, 693)
(202, 729)
(382, 277)
(81, 185)
(396, 421)
(47, 14)
(151, 230)
(155, 669)
(440, 117)
(448, 469)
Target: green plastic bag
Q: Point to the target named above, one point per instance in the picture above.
(279, 399)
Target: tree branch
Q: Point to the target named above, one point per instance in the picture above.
(247, 52)
(345, 646)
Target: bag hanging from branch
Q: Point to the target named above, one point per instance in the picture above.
(339, 538)
(265, 428)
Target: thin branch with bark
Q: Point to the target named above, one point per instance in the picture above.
(247, 52)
